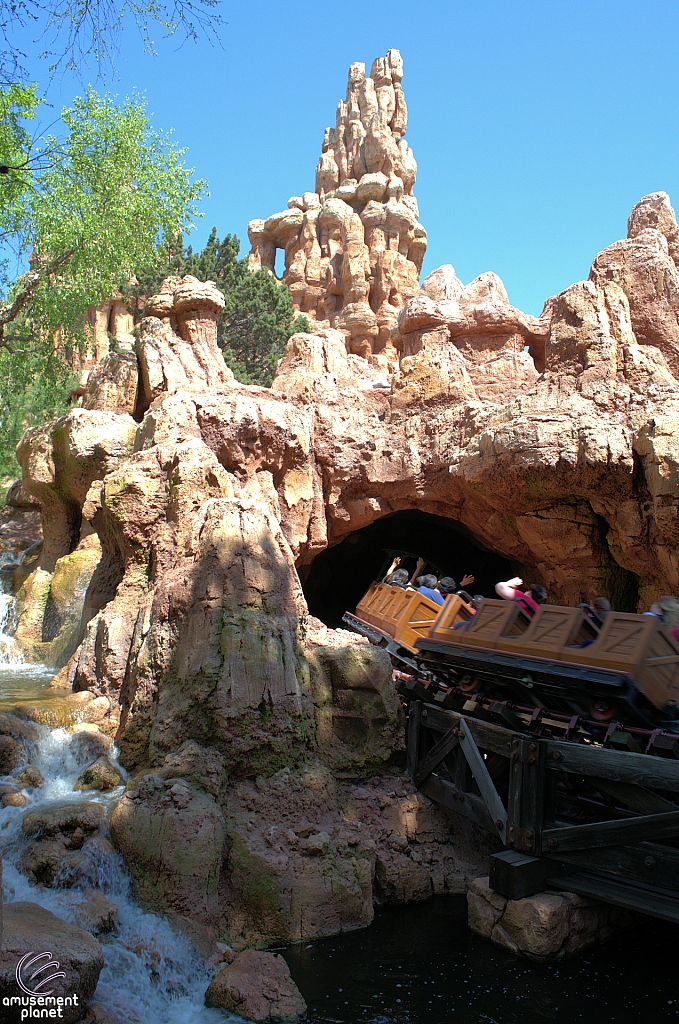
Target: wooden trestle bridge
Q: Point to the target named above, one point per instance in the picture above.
(559, 734)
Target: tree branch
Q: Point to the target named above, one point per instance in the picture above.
(10, 310)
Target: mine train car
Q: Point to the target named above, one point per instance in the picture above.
(558, 734)
(617, 683)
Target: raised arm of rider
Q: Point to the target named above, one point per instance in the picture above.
(506, 589)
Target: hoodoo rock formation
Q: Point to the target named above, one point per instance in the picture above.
(182, 512)
(354, 247)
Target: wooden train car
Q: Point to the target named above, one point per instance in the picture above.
(558, 734)
(626, 672)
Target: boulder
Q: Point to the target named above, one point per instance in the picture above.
(101, 775)
(547, 926)
(359, 720)
(69, 822)
(95, 913)
(28, 928)
(17, 742)
(258, 987)
(65, 846)
(172, 837)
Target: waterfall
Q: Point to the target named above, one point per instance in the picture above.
(10, 655)
(152, 974)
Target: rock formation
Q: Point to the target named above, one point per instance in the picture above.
(79, 955)
(551, 441)
(354, 247)
(547, 926)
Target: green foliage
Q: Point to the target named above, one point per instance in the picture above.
(258, 320)
(102, 202)
(33, 389)
(78, 213)
(258, 317)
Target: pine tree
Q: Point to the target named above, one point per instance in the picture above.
(258, 317)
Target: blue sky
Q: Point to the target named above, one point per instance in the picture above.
(536, 125)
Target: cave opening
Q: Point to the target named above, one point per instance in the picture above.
(340, 575)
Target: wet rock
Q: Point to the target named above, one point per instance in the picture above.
(14, 800)
(67, 823)
(31, 777)
(101, 775)
(50, 604)
(547, 926)
(17, 742)
(95, 913)
(88, 743)
(98, 1014)
(10, 754)
(27, 927)
(65, 846)
(51, 863)
(172, 838)
(258, 987)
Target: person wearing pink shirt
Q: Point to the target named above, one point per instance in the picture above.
(529, 600)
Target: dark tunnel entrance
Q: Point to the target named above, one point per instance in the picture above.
(341, 575)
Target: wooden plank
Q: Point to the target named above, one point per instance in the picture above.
(437, 753)
(611, 833)
(638, 799)
(444, 793)
(649, 863)
(622, 766)
(494, 738)
(414, 718)
(646, 899)
(490, 795)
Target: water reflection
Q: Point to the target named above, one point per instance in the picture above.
(421, 964)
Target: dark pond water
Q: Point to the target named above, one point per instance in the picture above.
(421, 964)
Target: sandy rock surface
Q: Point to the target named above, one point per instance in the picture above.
(258, 987)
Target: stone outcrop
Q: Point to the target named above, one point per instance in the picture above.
(172, 837)
(354, 247)
(258, 987)
(79, 955)
(547, 926)
(67, 841)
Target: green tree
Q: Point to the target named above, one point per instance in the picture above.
(78, 212)
(258, 318)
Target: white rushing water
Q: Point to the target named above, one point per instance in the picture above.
(152, 974)
(10, 655)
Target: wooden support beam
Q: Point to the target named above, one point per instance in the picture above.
(621, 766)
(638, 799)
(490, 795)
(469, 806)
(611, 833)
(494, 738)
(437, 753)
(649, 863)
